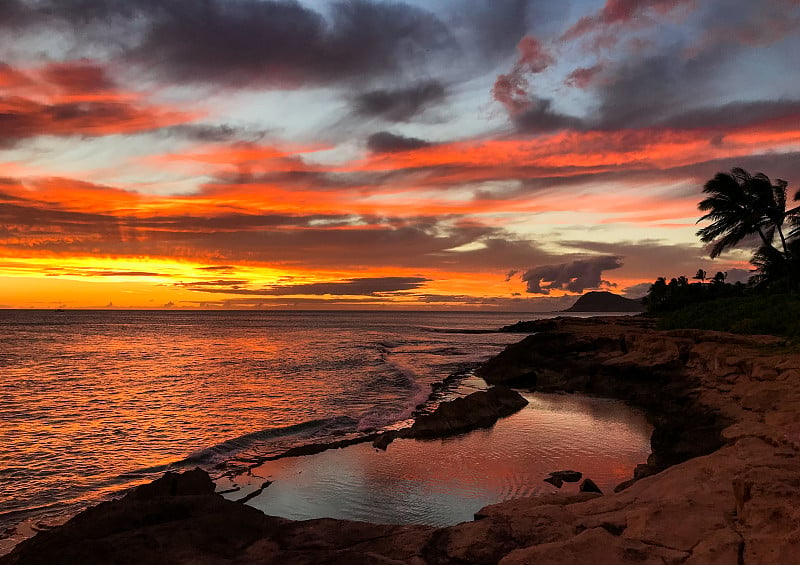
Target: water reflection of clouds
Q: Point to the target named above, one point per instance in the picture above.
(445, 481)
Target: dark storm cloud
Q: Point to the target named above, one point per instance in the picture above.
(278, 42)
(648, 258)
(539, 117)
(747, 22)
(496, 26)
(367, 286)
(671, 89)
(387, 142)
(215, 133)
(636, 291)
(14, 13)
(642, 91)
(401, 104)
(575, 276)
(735, 114)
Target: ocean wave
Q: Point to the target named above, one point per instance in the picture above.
(337, 425)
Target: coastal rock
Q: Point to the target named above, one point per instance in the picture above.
(588, 485)
(721, 486)
(555, 481)
(383, 440)
(480, 409)
(567, 476)
(188, 483)
(532, 326)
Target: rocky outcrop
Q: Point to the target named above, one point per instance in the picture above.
(481, 409)
(731, 494)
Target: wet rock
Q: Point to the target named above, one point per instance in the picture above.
(188, 483)
(383, 440)
(567, 476)
(255, 493)
(478, 410)
(588, 485)
(555, 481)
(532, 326)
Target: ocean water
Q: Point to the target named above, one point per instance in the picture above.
(92, 402)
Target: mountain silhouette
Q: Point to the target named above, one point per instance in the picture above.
(602, 301)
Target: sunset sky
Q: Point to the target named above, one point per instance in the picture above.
(498, 154)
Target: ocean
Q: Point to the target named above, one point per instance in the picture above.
(92, 402)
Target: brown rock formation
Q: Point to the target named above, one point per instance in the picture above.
(723, 486)
(480, 409)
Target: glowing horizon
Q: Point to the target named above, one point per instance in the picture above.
(453, 155)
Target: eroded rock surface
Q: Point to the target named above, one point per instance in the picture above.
(723, 485)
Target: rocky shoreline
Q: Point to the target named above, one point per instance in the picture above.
(721, 486)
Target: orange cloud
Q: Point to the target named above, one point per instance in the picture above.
(75, 98)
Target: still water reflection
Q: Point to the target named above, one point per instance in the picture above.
(443, 482)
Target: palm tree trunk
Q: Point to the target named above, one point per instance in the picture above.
(788, 259)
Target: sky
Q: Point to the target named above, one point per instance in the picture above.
(362, 154)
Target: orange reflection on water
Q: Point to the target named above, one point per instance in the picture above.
(445, 481)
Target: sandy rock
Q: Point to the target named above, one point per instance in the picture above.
(595, 546)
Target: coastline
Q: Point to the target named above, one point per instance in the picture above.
(720, 488)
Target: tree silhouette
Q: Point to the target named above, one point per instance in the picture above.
(701, 275)
(739, 204)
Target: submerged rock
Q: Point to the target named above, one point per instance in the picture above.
(555, 481)
(588, 485)
(567, 476)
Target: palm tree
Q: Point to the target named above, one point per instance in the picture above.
(740, 205)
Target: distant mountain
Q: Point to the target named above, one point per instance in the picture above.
(601, 301)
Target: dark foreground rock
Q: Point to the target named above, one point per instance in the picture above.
(567, 476)
(739, 503)
(588, 485)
